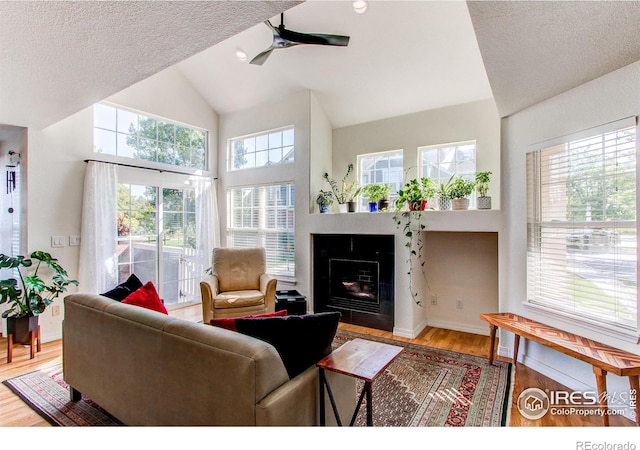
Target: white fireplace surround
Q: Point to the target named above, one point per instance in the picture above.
(411, 319)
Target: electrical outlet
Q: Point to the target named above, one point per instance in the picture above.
(74, 240)
(459, 303)
(55, 310)
(434, 299)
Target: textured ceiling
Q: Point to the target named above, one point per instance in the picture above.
(402, 57)
(535, 50)
(58, 57)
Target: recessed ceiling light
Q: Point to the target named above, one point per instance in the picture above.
(241, 54)
(360, 6)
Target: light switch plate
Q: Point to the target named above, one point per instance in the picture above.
(58, 241)
(74, 240)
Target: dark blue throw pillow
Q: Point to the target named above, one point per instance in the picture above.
(122, 291)
(301, 340)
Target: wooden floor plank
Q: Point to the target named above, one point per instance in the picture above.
(15, 413)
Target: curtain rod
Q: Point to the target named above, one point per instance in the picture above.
(140, 167)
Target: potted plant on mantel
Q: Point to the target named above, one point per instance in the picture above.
(346, 193)
(482, 187)
(324, 201)
(416, 194)
(31, 296)
(459, 193)
(376, 193)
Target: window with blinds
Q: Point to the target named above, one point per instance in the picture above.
(263, 216)
(582, 229)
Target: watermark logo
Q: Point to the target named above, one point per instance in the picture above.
(533, 403)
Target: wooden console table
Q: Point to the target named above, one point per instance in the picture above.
(361, 359)
(602, 357)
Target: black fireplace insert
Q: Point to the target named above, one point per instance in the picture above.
(354, 274)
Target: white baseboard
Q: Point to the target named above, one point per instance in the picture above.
(409, 333)
(456, 326)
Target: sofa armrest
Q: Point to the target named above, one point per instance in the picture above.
(268, 285)
(295, 403)
(209, 289)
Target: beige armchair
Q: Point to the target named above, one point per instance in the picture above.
(238, 285)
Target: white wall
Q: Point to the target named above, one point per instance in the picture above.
(56, 166)
(609, 98)
(478, 120)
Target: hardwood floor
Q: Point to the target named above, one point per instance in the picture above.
(14, 412)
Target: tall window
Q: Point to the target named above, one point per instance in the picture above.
(582, 229)
(383, 167)
(140, 136)
(263, 216)
(262, 149)
(440, 162)
(157, 240)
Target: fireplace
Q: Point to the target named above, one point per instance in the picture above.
(354, 274)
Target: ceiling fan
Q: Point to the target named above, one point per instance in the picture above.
(283, 38)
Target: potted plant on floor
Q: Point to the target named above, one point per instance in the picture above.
(324, 201)
(482, 187)
(346, 192)
(375, 193)
(29, 295)
(459, 192)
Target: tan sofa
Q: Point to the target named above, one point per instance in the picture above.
(147, 368)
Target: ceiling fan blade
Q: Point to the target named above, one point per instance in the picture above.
(313, 38)
(261, 57)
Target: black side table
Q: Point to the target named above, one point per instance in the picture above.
(293, 301)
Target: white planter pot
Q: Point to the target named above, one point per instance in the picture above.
(484, 202)
(343, 207)
(459, 204)
(444, 204)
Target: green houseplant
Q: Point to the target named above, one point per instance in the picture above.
(324, 200)
(416, 193)
(443, 192)
(482, 187)
(29, 295)
(459, 192)
(346, 192)
(375, 193)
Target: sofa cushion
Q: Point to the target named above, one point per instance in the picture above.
(238, 299)
(301, 340)
(121, 291)
(146, 297)
(229, 323)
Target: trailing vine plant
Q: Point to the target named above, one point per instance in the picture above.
(404, 220)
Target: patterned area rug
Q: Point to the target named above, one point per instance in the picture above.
(423, 387)
(47, 394)
(429, 387)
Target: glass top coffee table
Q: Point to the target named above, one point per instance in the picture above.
(357, 358)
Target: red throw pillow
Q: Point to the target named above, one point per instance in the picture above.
(229, 323)
(146, 297)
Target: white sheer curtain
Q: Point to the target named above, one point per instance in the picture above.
(207, 222)
(98, 246)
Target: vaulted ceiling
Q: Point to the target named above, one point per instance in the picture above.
(59, 57)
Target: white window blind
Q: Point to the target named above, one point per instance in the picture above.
(263, 216)
(582, 230)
